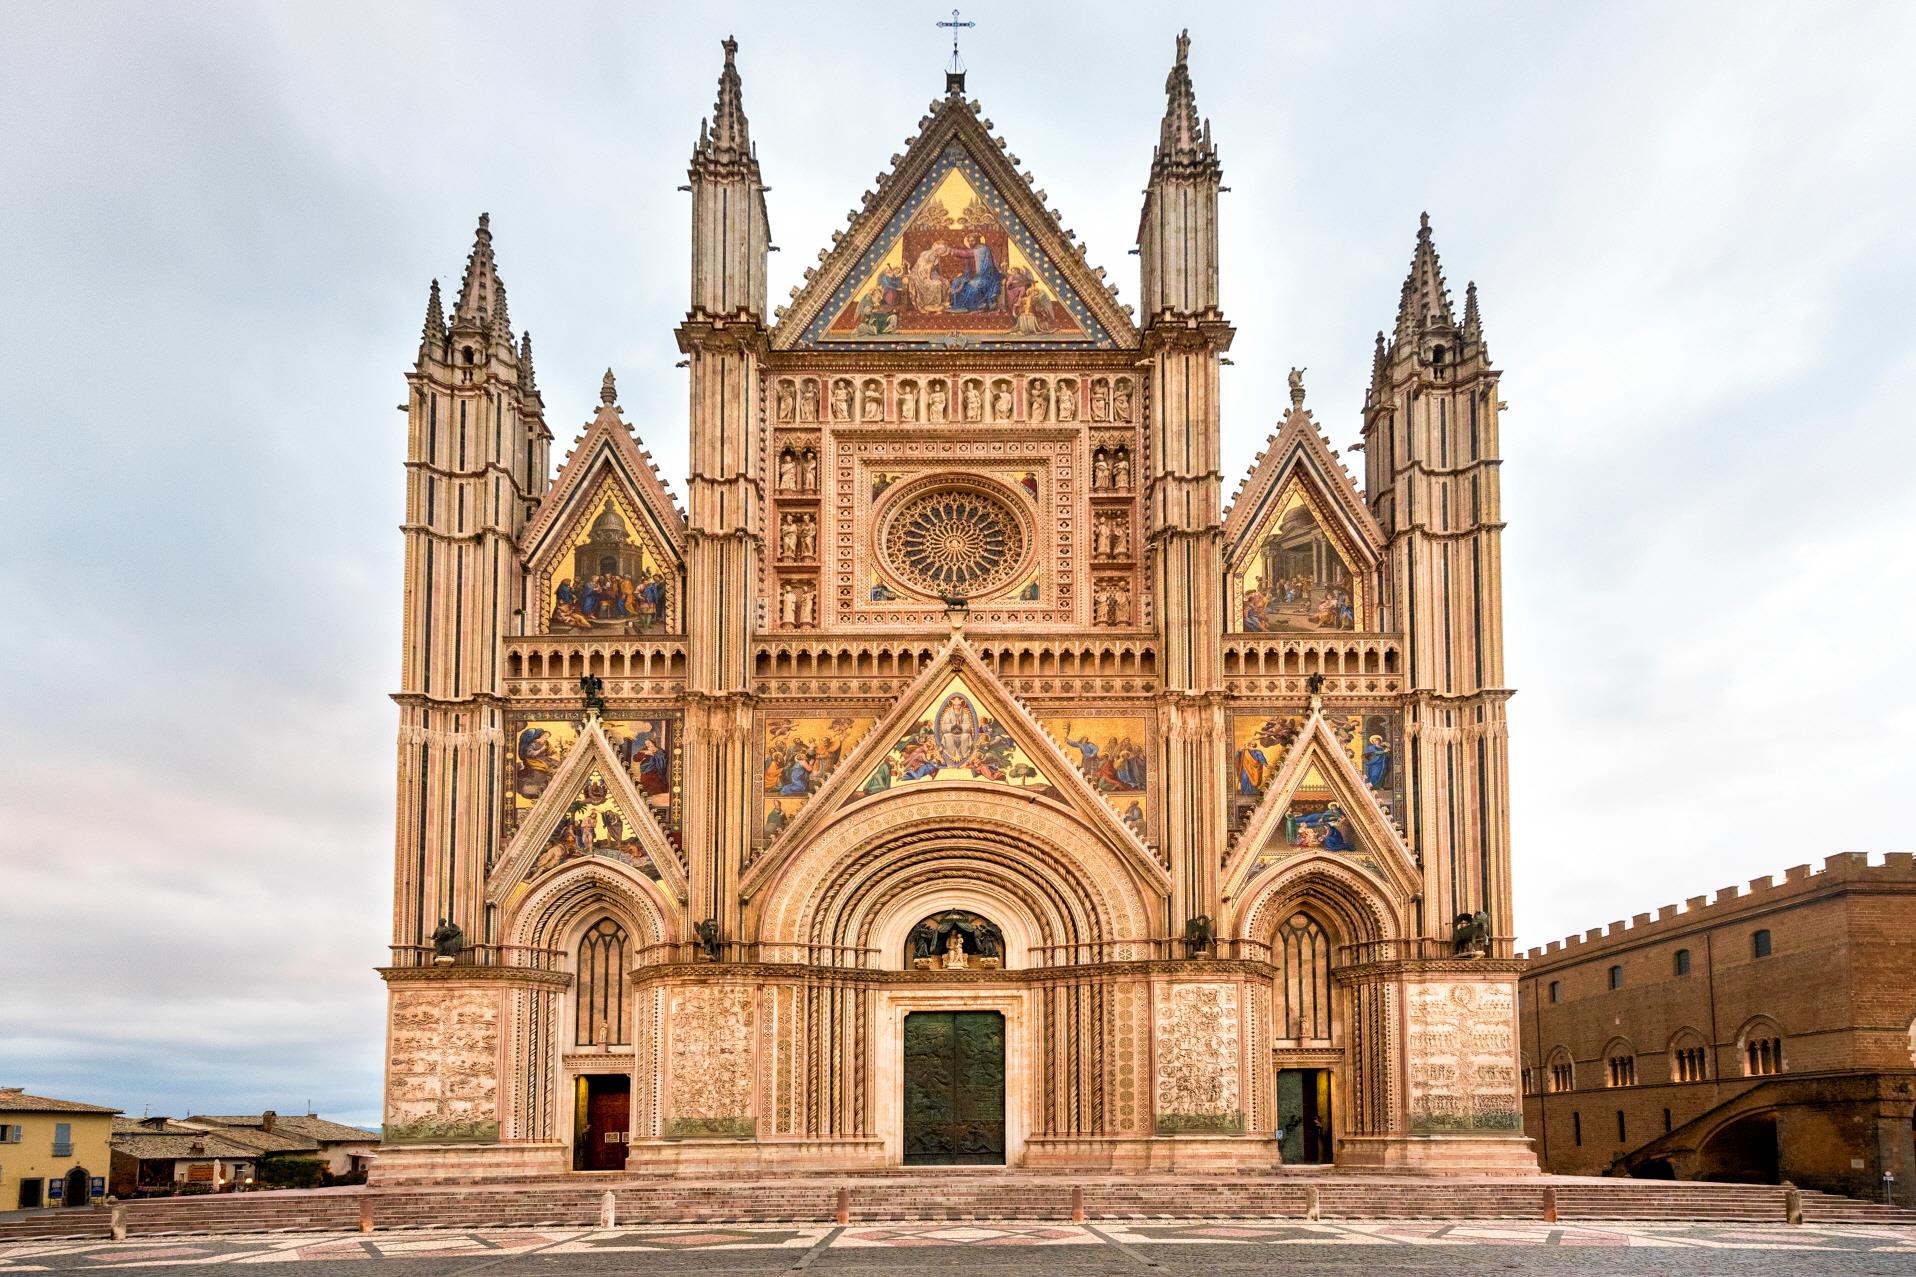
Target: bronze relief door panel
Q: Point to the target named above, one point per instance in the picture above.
(954, 1088)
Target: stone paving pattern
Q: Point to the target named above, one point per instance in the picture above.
(1194, 1245)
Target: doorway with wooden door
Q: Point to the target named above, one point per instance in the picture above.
(1304, 1116)
(601, 1120)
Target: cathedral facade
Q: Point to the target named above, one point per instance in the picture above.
(958, 777)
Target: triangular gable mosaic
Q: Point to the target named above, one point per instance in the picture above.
(957, 739)
(607, 575)
(1111, 755)
(647, 748)
(1293, 575)
(955, 266)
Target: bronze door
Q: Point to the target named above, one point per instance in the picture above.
(954, 1088)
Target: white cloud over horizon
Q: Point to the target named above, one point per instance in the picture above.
(1689, 226)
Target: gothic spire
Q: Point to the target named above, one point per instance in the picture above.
(528, 382)
(1425, 300)
(1473, 319)
(481, 292)
(726, 138)
(1183, 139)
(434, 334)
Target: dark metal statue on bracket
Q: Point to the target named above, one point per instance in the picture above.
(1470, 934)
(709, 939)
(1199, 935)
(448, 941)
(593, 689)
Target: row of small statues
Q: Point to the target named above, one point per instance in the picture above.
(798, 401)
(797, 604)
(798, 537)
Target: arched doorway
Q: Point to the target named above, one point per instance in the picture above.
(1304, 1044)
(1742, 1152)
(76, 1188)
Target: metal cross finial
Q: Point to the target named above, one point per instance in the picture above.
(957, 63)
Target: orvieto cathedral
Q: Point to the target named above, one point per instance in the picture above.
(957, 777)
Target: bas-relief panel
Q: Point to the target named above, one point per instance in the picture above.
(1295, 577)
(957, 740)
(955, 263)
(1259, 743)
(443, 1069)
(1198, 1037)
(1463, 1073)
(1111, 755)
(800, 755)
(712, 1070)
(646, 748)
(609, 581)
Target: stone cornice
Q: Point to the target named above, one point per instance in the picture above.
(523, 977)
(1412, 968)
(770, 972)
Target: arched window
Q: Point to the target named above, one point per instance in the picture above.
(1619, 1063)
(1689, 1058)
(1563, 1072)
(1556, 990)
(1760, 943)
(1682, 962)
(1616, 977)
(1303, 956)
(1761, 1046)
(600, 1014)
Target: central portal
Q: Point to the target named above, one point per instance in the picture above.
(954, 1088)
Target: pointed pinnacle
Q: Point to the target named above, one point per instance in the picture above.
(1182, 137)
(1425, 300)
(435, 329)
(481, 292)
(729, 136)
(608, 390)
(527, 378)
(1473, 319)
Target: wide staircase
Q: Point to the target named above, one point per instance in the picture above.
(953, 1194)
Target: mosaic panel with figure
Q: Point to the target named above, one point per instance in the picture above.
(610, 581)
(1260, 742)
(647, 748)
(955, 261)
(593, 825)
(801, 753)
(957, 740)
(1112, 756)
(1295, 577)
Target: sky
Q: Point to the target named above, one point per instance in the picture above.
(1689, 224)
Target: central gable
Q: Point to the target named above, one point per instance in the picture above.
(954, 250)
(955, 264)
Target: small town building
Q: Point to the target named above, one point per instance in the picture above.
(341, 1149)
(1763, 1036)
(159, 1155)
(52, 1152)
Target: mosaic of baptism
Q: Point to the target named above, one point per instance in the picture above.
(957, 774)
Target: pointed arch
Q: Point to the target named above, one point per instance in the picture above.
(1348, 903)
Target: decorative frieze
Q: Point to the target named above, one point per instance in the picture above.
(1199, 1056)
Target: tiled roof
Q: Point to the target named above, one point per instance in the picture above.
(14, 1100)
(161, 1146)
(254, 1138)
(151, 1126)
(306, 1124)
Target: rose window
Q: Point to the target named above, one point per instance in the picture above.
(954, 541)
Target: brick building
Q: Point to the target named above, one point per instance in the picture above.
(1764, 1035)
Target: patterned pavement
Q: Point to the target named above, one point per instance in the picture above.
(1198, 1246)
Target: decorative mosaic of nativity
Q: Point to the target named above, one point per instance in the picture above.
(800, 755)
(1110, 754)
(610, 581)
(957, 741)
(955, 263)
(1294, 575)
(593, 825)
(1259, 744)
(646, 748)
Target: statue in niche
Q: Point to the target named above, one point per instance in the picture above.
(708, 935)
(955, 939)
(787, 470)
(1038, 399)
(1121, 400)
(808, 471)
(1100, 400)
(787, 402)
(1067, 400)
(808, 400)
(935, 399)
(448, 941)
(908, 401)
(841, 400)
